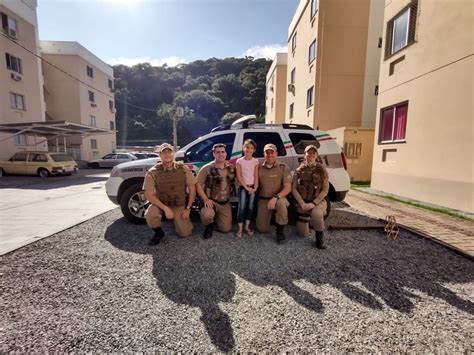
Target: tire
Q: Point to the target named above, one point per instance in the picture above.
(94, 166)
(2, 172)
(43, 173)
(133, 204)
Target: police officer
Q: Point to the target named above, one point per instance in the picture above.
(215, 183)
(274, 181)
(165, 189)
(310, 188)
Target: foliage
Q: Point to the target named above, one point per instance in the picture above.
(213, 91)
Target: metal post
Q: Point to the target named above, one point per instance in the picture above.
(175, 132)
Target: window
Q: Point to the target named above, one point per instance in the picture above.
(202, 151)
(110, 83)
(352, 149)
(293, 76)
(93, 120)
(111, 105)
(109, 156)
(393, 123)
(307, 138)
(19, 157)
(312, 52)
(314, 7)
(90, 72)
(293, 42)
(112, 125)
(9, 25)
(38, 157)
(292, 106)
(309, 97)
(262, 138)
(91, 96)
(271, 106)
(401, 30)
(123, 156)
(93, 143)
(17, 101)
(13, 63)
(21, 139)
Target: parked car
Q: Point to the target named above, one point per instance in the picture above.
(145, 155)
(43, 164)
(124, 187)
(110, 160)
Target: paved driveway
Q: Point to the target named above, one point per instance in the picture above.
(33, 208)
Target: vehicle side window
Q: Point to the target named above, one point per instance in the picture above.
(122, 156)
(298, 137)
(19, 157)
(38, 157)
(110, 156)
(202, 151)
(262, 138)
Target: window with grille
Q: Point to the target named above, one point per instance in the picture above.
(17, 101)
(293, 42)
(90, 72)
(91, 96)
(314, 8)
(309, 97)
(93, 143)
(401, 30)
(353, 149)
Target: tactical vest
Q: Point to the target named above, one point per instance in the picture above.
(270, 180)
(219, 182)
(310, 181)
(170, 185)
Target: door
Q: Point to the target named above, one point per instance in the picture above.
(18, 163)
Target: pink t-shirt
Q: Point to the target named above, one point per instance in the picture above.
(248, 169)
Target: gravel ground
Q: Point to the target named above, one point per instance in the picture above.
(98, 287)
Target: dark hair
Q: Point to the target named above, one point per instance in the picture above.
(251, 142)
(218, 145)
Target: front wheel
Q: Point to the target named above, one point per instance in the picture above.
(43, 173)
(134, 204)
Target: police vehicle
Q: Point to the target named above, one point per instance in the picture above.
(124, 187)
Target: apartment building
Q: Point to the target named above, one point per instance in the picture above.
(275, 98)
(424, 128)
(333, 51)
(88, 100)
(21, 89)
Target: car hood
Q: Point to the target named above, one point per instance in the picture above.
(140, 163)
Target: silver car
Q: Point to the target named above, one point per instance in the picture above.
(110, 160)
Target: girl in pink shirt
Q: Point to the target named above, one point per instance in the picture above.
(247, 175)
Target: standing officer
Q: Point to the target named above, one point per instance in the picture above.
(310, 188)
(214, 185)
(274, 181)
(165, 189)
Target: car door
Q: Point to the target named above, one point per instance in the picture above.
(36, 161)
(122, 158)
(18, 163)
(108, 161)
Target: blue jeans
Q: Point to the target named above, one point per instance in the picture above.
(246, 205)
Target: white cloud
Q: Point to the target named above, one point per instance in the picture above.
(170, 61)
(269, 51)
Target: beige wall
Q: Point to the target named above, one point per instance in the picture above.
(29, 86)
(359, 167)
(341, 30)
(67, 99)
(276, 90)
(435, 164)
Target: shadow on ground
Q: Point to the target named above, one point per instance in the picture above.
(364, 266)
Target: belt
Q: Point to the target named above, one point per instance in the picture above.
(221, 202)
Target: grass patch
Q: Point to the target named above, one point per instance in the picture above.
(360, 183)
(420, 205)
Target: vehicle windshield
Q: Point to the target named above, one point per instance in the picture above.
(61, 157)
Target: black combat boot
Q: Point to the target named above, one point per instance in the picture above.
(280, 235)
(208, 231)
(159, 234)
(320, 240)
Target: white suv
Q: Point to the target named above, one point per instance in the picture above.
(124, 187)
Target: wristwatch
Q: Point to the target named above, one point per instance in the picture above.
(276, 196)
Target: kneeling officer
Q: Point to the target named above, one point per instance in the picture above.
(165, 189)
(310, 188)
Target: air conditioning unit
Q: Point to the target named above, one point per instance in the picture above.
(11, 32)
(291, 88)
(93, 104)
(15, 77)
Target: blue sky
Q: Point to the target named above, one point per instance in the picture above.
(171, 31)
